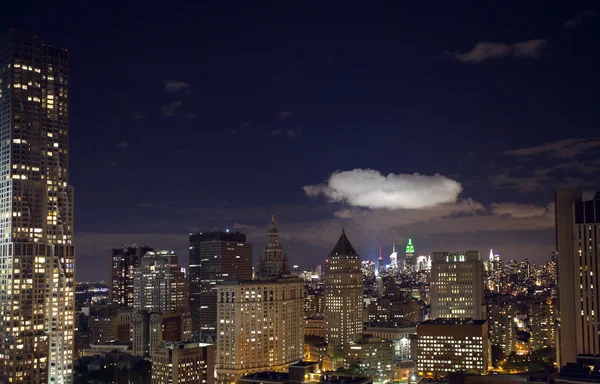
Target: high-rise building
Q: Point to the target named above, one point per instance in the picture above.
(409, 258)
(578, 239)
(214, 257)
(261, 322)
(183, 363)
(123, 262)
(160, 284)
(37, 253)
(343, 294)
(502, 312)
(394, 260)
(457, 285)
(450, 345)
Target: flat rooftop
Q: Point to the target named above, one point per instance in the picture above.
(456, 321)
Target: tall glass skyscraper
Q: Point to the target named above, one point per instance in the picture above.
(37, 255)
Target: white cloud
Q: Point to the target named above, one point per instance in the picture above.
(370, 189)
(173, 86)
(485, 50)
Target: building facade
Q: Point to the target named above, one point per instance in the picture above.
(261, 322)
(374, 356)
(343, 292)
(450, 345)
(123, 262)
(160, 283)
(214, 257)
(578, 239)
(183, 363)
(457, 289)
(261, 326)
(37, 252)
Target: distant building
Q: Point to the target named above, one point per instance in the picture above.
(123, 262)
(403, 344)
(409, 258)
(183, 363)
(260, 322)
(502, 312)
(423, 263)
(542, 322)
(578, 236)
(343, 294)
(214, 257)
(103, 323)
(314, 326)
(149, 330)
(457, 286)
(393, 311)
(160, 283)
(450, 345)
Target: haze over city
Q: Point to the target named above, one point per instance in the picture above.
(440, 120)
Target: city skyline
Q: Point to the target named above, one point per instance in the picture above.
(504, 117)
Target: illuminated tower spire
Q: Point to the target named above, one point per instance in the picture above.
(409, 260)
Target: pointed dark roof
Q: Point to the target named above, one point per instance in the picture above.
(343, 247)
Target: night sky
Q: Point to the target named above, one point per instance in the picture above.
(199, 117)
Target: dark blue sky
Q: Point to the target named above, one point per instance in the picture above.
(211, 116)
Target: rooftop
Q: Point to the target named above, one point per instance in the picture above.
(457, 321)
(343, 247)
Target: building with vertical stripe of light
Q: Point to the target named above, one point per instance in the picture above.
(37, 252)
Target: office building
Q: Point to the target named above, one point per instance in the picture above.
(37, 252)
(450, 345)
(123, 262)
(373, 355)
(183, 363)
(261, 322)
(343, 291)
(214, 257)
(457, 286)
(577, 238)
(160, 284)
(393, 311)
(104, 323)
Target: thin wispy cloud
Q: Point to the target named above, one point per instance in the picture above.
(294, 134)
(122, 145)
(138, 116)
(368, 188)
(276, 132)
(171, 109)
(580, 19)
(566, 148)
(487, 50)
(521, 210)
(285, 114)
(172, 86)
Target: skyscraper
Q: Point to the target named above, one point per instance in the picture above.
(123, 262)
(160, 284)
(578, 239)
(457, 286)
(409, 259)
(214, 257)
(343, 294)
(261, 322)
(37, 255)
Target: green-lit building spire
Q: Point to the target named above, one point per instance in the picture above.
(410, 247)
